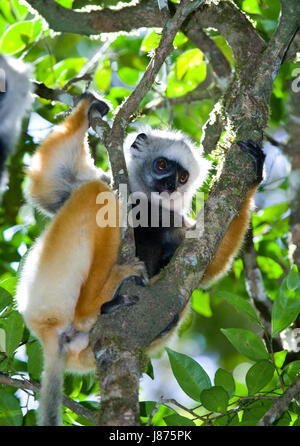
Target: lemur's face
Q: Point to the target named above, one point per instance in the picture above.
(164, 164)
(157, 170)
(167, 175)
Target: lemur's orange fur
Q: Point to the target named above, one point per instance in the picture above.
(231, 241)
(71, 131)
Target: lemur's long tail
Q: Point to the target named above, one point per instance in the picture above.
(52, 384)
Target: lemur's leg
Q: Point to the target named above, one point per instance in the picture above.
(233, 238)
(63, 162)
(92, 298)
(105, 275)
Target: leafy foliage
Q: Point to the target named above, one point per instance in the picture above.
(224, 314)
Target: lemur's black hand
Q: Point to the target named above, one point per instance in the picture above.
(99, 106)
(121, 300)
(96, 105)
(255, 152)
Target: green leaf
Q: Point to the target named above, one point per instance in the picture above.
(191, 377)
(19, 35)
(222, 44)
(240, 304)
(30, 418)
(255, 411)
(10, 410)
(246, 343)
(5, 11)
(251, 6)
(215, 399)
(20, 10)
(68, 68)
(293, 279)
(292, 371)
(269, 267)
(129, 75)
(146, 408)
(180, 39)
(149, 369)
(9, 284)
(5, 298)
(287, 303)
(259, 375)
(14, 328)
(35, 360)
(178, 420)
(284, 420)
(151, 41)
(225, 379)
(201, 302)
(279, 358)
(65, 3)
(44, 70)
(103, 77)
(189, 60)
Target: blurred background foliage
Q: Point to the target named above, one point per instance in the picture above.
(57, 59)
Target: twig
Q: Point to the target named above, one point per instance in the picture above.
(42, 91)
(84, 72)
(190, 411)
(154, 411)
(35, 387)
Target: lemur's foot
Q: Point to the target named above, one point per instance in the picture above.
(255, 152)
(97, 105)
(121, 300)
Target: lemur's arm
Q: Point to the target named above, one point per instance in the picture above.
(234, 236)
(63, 161)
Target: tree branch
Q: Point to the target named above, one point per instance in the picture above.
(100, 21)
(240, 35)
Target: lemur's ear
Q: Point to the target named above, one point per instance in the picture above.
(138, 140)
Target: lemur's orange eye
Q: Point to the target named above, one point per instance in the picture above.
(161, 164)
(184, 176)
